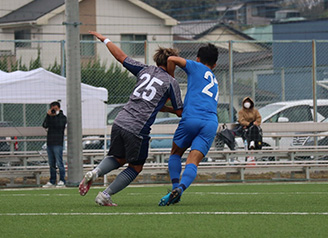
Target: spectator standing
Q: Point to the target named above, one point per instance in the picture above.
(55, 123)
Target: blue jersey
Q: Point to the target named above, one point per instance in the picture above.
(202, 92)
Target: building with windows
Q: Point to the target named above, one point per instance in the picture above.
(247, 12)
(249, 57)
(296, 44)
(128, 21)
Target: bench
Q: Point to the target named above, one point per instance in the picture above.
(155, 163)
(277, 166)
(241, 169)
(160, 170)
(161, 155)
(15, 172)
(36, 172)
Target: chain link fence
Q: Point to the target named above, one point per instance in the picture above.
(294, 72)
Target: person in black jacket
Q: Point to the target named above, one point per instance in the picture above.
(55, 123)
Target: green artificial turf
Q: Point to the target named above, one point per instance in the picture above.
(227, 210)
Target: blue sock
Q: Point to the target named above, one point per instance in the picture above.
(175, 170)
(188, 176)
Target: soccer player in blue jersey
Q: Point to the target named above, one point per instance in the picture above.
(131, 128)
(199, 122)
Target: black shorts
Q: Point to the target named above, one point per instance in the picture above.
(129, 146)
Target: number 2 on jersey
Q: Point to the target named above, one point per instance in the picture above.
(207, 88)
(142, 92)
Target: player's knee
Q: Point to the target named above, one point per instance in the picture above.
(121, 161)
(177, 150)
(137, 168)
(194, 157)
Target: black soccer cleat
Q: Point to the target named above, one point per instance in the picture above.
(175, 196)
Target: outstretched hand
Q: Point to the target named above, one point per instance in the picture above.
(114, 50)
(98, 35)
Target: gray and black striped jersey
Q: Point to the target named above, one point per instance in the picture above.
(154, 87)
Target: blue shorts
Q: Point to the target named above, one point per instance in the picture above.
(195, 133)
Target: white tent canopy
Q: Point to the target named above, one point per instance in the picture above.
(40, 86)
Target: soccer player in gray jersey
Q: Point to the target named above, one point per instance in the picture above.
(131, 128)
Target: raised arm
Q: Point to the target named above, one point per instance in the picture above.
(172, 61)
(114, 50)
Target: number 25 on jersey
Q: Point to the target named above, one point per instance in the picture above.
(142, 89)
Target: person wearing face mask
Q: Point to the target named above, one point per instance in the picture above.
(55, 123)
(249, 116)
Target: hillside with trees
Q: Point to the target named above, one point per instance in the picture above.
(186, 10)
(205, 9)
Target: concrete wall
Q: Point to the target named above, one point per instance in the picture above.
(123, 17)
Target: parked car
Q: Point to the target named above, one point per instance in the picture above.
(44, 146)
(223, 117)
(112, 111)
(223, 113)
(88, 143)
(169, 118)
(167, 142)
(322, 139)
(289, 111)
(293, 111)
(93, 143)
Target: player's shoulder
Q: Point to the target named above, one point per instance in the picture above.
(191, 62)
(131, 61)
(194, 65)
(164, 75)
(167, 77)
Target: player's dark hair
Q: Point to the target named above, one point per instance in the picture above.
(161, 55)
(208, 54)
(55, 103)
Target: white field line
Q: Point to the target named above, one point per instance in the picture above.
(258, 193)
(189, 193)
(168, 185)
(167, 213)
(34, 195)
(254, 193)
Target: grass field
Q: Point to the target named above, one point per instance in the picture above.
(224, 210)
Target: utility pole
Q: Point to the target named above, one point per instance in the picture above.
(73, 94)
